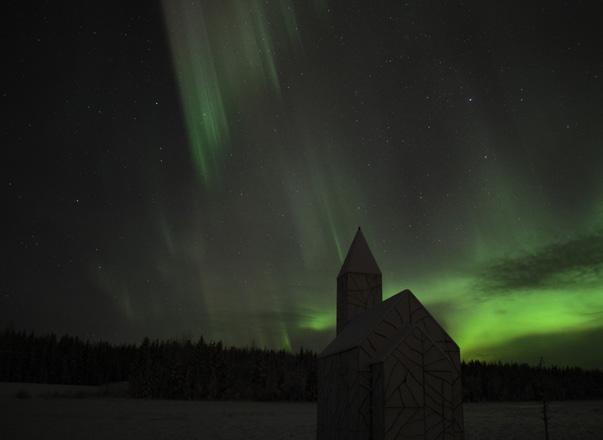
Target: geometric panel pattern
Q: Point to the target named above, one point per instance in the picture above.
(356, 293)
(343, 392)
(400, 378)
(417, 390)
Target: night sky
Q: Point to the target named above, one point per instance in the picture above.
(190, 168)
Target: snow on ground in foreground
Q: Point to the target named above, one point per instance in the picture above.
(117, 419)
(98, 418)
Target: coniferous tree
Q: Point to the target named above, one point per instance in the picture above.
(181, 369)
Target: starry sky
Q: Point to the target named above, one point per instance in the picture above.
(187, 168)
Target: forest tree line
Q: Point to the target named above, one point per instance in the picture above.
(183, 369)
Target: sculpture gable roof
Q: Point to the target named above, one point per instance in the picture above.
(375, 329)
(359, 258)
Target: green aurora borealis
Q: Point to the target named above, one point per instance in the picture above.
(216, 67)
(224, 164)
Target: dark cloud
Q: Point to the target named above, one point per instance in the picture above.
(576, 261)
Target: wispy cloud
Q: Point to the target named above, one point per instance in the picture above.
(578, 261)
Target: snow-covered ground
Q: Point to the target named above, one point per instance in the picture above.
(104, 418)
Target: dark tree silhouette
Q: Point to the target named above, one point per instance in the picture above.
(183, 369)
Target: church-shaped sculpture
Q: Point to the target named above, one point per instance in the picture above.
(391, 372)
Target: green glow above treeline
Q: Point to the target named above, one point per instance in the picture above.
(482, 320)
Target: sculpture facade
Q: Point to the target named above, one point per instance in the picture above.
(392, 372)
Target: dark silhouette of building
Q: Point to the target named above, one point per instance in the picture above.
(392, 372)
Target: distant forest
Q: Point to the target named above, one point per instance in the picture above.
(182, 369)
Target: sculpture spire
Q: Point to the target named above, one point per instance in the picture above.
(359, 258)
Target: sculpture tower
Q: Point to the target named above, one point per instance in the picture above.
(358, 282)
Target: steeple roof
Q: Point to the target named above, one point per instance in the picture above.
(359, 258)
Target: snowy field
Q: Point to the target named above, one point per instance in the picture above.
(64, 418)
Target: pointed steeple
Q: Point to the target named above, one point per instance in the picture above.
(359, 258)
(358, 282)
